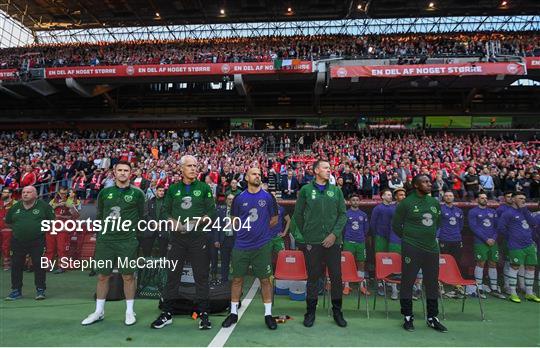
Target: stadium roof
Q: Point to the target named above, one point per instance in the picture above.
(40, 15)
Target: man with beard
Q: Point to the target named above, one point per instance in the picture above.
(482, 221)
(518, 223)
(253, 244)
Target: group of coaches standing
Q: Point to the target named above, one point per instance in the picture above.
(319, 215)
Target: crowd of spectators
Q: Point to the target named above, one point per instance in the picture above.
(465, 164)
(363, 163)
(408, 48)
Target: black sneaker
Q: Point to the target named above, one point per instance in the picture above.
(338, 318)
(270, 322)
(40, 294)
(165, 318)
(309, 319)
(204, 322)
(231, 319)
(435, 324)
(408, 324)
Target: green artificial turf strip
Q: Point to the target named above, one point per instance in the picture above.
(56, 322)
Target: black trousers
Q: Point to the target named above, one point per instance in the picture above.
(147, 244)
(213, 255)
(317, 259)
(35, 248)
(413, 259)
(192, 247)
(226, 254)
(453, 248)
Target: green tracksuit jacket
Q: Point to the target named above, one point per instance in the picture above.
(318, 213)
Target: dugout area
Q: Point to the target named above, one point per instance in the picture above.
(56, 322)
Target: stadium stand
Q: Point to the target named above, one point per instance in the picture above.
(409, 49)
(367, 162)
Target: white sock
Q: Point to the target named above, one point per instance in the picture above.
(361, 274)
(478, 276)
(512, 280)
(268, 309)
(129, 306)
(234, 307)
(100, 306)
(346, 284)
(394, 288)
(521, 277)
(529, 282)
(505, 273)
(492, 272)
(471, 289)
(408, 317)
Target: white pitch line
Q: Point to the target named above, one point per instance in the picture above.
(223, 335)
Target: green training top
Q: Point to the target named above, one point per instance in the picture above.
(124, 203)
(26, 223)
(320, 212)
(417, 220)
(190, 201)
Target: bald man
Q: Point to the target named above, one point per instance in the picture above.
(24, 218)
(189, 199)
(257, 212)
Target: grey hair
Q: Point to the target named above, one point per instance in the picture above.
(185, 157)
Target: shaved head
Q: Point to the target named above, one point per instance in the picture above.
(253, 177)
(29, 194)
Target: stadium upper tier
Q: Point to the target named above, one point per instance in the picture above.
(413, 48)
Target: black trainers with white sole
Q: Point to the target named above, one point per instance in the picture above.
(204, 322)
(164, 319)
(408, 325)
(435, 324)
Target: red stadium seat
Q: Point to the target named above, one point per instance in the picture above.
(449, 274)
(349, 273)
(386, 264)
(290, 265)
